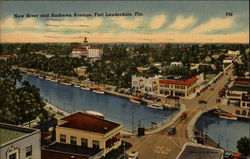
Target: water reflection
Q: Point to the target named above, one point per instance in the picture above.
(114, 108)
(223, 131)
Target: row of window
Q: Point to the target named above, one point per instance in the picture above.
(84, 142)
(172, 86)
(15, 154)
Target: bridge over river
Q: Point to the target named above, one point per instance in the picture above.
(159, 145)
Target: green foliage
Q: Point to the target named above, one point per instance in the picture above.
(18, 104)
(243, 146)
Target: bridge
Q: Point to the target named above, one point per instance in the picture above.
(157, 144)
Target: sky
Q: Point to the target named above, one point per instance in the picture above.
(158, 21)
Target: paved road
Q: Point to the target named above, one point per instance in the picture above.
(162, 146)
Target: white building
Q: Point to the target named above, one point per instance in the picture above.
(87, 51)
(230, 52)
(145, 85)
(176, 64)
(19, 143)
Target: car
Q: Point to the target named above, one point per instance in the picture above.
(198, 94)
(202, 102)
(171, 130)
(218, 100)
(133, 155)
(211, 89)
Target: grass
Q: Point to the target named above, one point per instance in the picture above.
(209, 76)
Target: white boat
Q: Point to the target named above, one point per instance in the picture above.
(228, 116)
(85, 88)
(98, 114)
(98, 90)
(155, 105)
(77, 85)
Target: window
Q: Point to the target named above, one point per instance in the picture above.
(62, 138)
(73, 140)
(12, 156)
(84, 142)
(96, 144)
(29, 151)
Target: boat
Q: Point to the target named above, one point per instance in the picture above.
(77, 86)
(135, 100)
(155, 105)
(65, 82)
(48, 78)
(85, 88)
(29, 74)
(53, 79)
(228, 116)
(98, 90)
(98, 114)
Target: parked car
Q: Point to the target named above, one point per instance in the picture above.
(133, 155)
(171, 130)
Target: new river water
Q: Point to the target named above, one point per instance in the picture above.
(114, 108)
(224, 131)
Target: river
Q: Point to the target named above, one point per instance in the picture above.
(226, 132)
(114, 108)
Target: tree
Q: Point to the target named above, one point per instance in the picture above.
(243, 146)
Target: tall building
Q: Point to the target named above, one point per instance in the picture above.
(87, 51)
(19, 143)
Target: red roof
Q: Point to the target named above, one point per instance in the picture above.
(86, 122)
(179, 82)
(242, 79)
(95, 47)
(80, 49)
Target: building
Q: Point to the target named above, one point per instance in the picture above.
(19, 143)
(194, 151)
(181, 86)
(147, 85)
(5, 57)
(81, 71)
(89, 132)
(87, 51)
(230, 52)
(176, 64)
(239, 93)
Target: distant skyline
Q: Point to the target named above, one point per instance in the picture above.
(149, 22)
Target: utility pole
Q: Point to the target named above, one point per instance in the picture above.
(132, 122)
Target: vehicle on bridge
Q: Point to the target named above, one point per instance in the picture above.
(183, 115)
(202, 102)
(133, 155)
(171, 130)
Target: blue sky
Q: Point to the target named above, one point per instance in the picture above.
(162, 21)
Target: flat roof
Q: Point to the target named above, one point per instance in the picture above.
(240, 88)
(65, 151)
(194, 151)
(181, 80)
(87, 122)
(10, 133)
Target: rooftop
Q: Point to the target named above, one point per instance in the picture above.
(181, 80)
(67, 151)
(10, 133)
(240, 89)
(87, 122)
(194, 151)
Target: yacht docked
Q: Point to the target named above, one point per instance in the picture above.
(155, 105)
(98, 90)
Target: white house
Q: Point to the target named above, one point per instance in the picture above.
(230, 52)
(176, 64)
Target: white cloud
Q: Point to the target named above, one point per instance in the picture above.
(127, 23)
(214, 24)
(157, 21)
(181, 23)
(80, 23)
(28, 23)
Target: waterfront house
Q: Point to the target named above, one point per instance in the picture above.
(88, 133)
(239, 93)
(181, 86)
(176, 64)
(19, 143)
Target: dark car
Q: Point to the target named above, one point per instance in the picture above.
(202, 102)
(171, 130)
